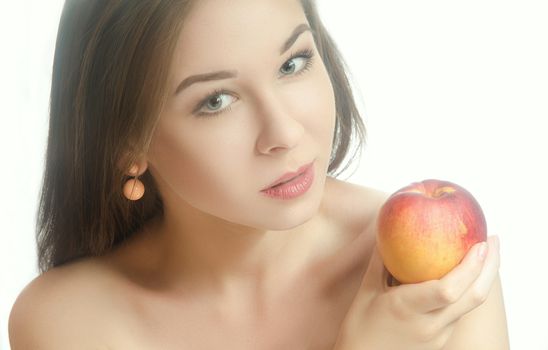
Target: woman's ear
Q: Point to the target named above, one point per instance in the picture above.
(137, 168)
(132, 165)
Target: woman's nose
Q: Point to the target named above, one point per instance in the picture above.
(279, 128)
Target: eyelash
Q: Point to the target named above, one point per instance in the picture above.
(306, 53)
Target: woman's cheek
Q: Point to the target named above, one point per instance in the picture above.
(318, 103)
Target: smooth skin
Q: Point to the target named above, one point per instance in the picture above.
(227, 267)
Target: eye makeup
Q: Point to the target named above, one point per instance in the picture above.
(306, 54)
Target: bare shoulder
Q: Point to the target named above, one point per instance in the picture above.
(356, 205)
(355, 209)
(63, 308)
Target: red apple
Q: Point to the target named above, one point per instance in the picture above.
(426, 228)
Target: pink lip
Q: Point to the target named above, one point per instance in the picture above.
(294, 188)
(289, 176)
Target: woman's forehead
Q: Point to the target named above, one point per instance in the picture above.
(224, 26)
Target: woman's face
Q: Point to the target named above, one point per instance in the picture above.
(218, 143)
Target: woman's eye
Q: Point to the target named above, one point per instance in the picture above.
(303, 60)
(297, 64)
(214, 103)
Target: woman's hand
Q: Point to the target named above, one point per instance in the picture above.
(418, 316)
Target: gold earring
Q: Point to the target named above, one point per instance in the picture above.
(133, 188)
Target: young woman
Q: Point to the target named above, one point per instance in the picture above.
(162, 222)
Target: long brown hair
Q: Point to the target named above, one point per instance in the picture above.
(108, 88)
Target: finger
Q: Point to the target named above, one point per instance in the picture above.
(479, 291)
(376, 274)
(434, 294)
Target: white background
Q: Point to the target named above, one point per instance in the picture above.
(454, 90)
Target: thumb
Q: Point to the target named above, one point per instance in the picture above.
(375, 278)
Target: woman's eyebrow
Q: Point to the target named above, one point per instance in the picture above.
(226, 74)
(301, 28)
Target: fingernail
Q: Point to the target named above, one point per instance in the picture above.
(497, 242)
(482, 251)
